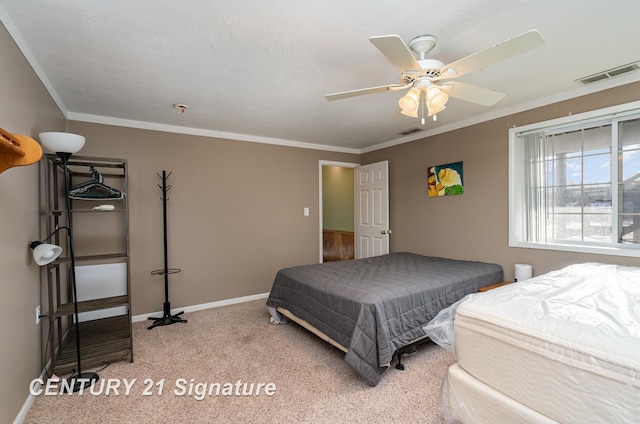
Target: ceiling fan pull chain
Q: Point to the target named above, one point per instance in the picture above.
(422, 105)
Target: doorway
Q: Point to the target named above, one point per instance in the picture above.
(336, 210)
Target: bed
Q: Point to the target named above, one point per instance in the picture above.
(560, 347)
(373, 307)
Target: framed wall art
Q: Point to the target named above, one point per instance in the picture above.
(445, 180)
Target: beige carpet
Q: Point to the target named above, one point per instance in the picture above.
(312, 382)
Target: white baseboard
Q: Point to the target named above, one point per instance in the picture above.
(22, 414)
(24, 410)
(202, 306)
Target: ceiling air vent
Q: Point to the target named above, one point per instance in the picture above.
(410, 131)
(609, 73)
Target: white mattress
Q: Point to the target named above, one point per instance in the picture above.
(565, 344)
(468, 400)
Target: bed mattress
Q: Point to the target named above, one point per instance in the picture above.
(374, 306)
(468, 400)
(565, 344)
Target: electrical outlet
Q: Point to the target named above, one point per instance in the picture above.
(38, 313)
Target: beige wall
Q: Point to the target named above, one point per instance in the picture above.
(26, 108)
(475, 225)
(235, 212)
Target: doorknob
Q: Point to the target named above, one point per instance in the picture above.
(385, 231)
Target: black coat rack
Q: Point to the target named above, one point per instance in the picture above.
(166, 318)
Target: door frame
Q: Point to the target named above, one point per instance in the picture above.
(322, 163)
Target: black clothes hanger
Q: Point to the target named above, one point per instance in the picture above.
(95, 189)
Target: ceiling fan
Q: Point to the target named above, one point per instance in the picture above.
(428, 80)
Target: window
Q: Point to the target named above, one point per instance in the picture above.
(575, 183)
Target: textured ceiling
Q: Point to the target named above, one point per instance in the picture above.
(259, 70)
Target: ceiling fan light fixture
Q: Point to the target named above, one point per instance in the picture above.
(437, 98)
(438, 101)
(410, 113)
(432, 112)
(410, 101)
(425, 77)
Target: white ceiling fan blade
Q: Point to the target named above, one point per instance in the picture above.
(396, 51)
(501, 51)
(362, 92)
(473, 94)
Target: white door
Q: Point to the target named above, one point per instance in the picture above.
(372, 210)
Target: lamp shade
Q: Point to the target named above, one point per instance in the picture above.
(410, 113)
(434, 111)
(62, 142)
(409, 102)
(437, 97)
(46, 253)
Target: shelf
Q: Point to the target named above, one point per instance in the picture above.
(89, 258)
(62, 212)
(92, 305)
(85, 161)
(99, 240)
(102, 340)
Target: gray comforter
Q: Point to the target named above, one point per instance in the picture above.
(376, 305)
